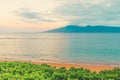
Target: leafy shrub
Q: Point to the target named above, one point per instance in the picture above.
(28, 71)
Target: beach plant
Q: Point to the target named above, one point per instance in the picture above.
(29, 71)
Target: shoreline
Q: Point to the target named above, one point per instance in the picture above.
(91, 67)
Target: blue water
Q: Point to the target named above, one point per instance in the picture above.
(88, 48)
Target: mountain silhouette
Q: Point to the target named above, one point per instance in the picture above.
(87, 29)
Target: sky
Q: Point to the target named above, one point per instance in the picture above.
(41, 15)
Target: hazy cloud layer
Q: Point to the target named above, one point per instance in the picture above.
(27, 15)
(79, 12)
(94, 12)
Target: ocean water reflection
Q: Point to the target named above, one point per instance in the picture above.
(55, 47)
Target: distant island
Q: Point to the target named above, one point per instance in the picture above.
(86, 29)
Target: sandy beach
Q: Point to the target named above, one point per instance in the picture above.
(96, 68)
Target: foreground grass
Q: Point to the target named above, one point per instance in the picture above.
(28, 71)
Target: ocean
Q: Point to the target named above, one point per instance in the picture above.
(83, 48)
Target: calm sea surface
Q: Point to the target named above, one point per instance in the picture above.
(88, 48)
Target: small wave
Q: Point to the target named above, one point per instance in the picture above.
(31, 38)
(21, 38)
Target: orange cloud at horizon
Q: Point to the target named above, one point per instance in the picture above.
(32, 26)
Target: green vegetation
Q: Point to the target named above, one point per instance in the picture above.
(28, 71)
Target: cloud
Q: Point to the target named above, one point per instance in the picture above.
(26, 15)
(93, 12)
